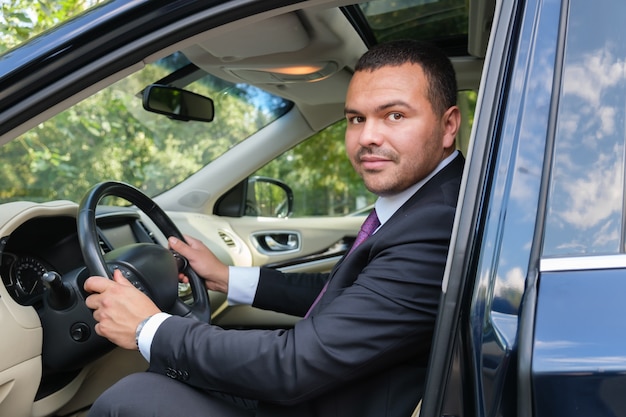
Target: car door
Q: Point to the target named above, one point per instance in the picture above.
(531, 321)
(578, 362)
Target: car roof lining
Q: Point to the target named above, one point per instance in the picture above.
(321, 36)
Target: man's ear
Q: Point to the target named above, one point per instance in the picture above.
(451, 122)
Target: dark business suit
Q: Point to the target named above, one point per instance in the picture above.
(364, 349)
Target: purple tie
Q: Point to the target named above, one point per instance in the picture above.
(368, 227)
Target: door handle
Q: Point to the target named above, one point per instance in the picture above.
(278, 242)
(290, 244)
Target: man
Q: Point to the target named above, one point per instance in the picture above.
(363, 347)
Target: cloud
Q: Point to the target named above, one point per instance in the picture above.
(595, 72)
(588, 177)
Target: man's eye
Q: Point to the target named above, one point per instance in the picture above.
(395, 116)
(355, 120)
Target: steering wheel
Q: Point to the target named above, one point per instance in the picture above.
(150, 267)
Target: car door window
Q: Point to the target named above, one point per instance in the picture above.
(321, 176)
(585, 212)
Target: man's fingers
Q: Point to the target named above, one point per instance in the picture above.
(193, 242)
(184, 246)
(120, 278)
(176, 244)
(186, 250)
(97, 284)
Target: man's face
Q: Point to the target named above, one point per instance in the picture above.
(393, 137)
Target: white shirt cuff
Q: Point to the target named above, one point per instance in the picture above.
(147, 333)
(242, 284)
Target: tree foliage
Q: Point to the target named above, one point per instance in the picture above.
(22, 19)
(325, 182)
(109, 136)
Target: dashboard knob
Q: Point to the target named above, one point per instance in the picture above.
(80, 332)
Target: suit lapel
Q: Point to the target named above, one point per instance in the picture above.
(450, 172)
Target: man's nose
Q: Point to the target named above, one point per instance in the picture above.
(371, 134)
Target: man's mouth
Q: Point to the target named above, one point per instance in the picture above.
(373, 163)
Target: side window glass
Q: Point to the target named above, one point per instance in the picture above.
(585, 207)
(466, 100)
(321, 176)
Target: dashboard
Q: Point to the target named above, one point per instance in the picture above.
(50, 244)
(43, 238)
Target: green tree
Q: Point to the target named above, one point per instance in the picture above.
(22, 19)
(109, 136)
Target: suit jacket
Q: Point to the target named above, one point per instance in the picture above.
(364, 349)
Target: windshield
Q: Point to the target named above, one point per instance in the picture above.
(109, 136)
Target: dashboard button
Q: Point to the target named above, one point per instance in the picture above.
(80, 332)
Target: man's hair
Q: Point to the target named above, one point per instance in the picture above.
(439, 72)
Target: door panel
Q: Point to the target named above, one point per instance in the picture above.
(319, 245)
(319, 241)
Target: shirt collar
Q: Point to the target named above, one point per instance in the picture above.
(387, 206)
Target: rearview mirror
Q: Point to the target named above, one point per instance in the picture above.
(177, 103)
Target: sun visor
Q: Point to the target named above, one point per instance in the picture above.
(284, 33)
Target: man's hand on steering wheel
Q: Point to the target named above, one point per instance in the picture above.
(118, 307)
(203, 261)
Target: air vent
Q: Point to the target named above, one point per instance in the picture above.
(104, 246)
(227, 239)
(148, 232)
